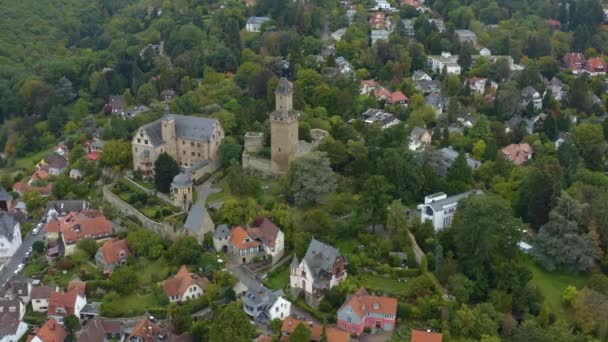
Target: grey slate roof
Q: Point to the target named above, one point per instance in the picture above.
(181, 179)
(186, 127)
(450, 155)
(284, 86)
(66, 206)
(4, 195)
(91, 308)
(222, 231)
(417, 132)
(7, 226)
(56, 161)
(195, 218)
(320, 257)
(440, 204)
(528, 92)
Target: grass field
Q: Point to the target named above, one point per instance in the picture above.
(279, 278)
(153, 271)
(26, 163)
(553, 284)
(381, 284)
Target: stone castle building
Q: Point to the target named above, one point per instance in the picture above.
(192, 141)
(182, 191)
(285, 145)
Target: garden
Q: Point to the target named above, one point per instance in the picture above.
(151, 206)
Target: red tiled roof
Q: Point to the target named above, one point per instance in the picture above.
(518, 153)
(112, 249)
(574, 60)
(290, 324)
(371, 83)
(93, 156)
(87, 224)
(180, 282)
(40, 175)
(336, 335)
(145, 330)
(65, 300)
(241, 240)
(42, 292)
(396, 97)
(362, 302)
(78, 287)
(52, 226)
(423, 336)
(596, 64)
(51, 331)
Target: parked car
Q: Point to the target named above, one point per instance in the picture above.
(36, 231)
(19, 268)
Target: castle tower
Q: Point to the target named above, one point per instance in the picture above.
(181, 191)
(283, 128)
(168, 133)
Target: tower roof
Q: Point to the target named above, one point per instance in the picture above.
(284, 86)
(167, 115)
(181, 179)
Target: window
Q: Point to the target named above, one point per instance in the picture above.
(348, 319)
(138, 140)
(192, 143)
(146, 141)
(199, 154)
(136, 149)
(198, 144)
(192, 154)
(183, 142)
(184, 152)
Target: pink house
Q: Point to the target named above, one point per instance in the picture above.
(363, 310)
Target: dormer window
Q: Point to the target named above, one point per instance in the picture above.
(376, 306)
(12, 309)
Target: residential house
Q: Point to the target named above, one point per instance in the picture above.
(575, 61)
(390, 97)
(427, 87)
(112, 253)
(89, 224)
(408, 27)
(439, 24)
(466, 36)
(556, 87)
(38, 175)
(135, 111)
(21, 288)
(242, 246)
(518, 154)
(192, 141)
(362, 310)
(467, 120)
(377, 21)
(12, 327)
(514, 124)
(10, 237)
(199, 222)
(379, 117)
(485, 52)
(265, 305)
(420, 75)
(479, 85)
(368, 86)
(63, 304)
(221, 238)
(419, 137)
(117, 104)
(379, 35)
(344, 66)
(6, 200)
(55, 164)
(254, 24)
(75, 174)
(338, 34)
(446, 61)
(271, 238)
(40, 297)
(322, 268)
(90, 311)
(332, 333)
(529, 95)
(59, 209)
(596, 66)
(184, 286)
(95, 145)
(383, 5)
(167, 95)
(437, 101)
(102, 330)
(51, 331)
(426, 336)
(440, 209)
(449, 157)
(146, 331)
(61, 150)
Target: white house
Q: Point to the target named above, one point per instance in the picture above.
(440, 209)
(379, 35)
(446, 60)
(264, 305)
(40, 297)
(254, 24)
(418, 137)
(184, 286)
(466, 36)
(12, 327)
(531, 95)
(10, 237)
(261, 239)
(322, 268)
(63, 304)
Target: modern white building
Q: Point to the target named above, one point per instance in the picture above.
(254, 24)
(445, 60)
(10, 237)
(264, 305)
(440, 209)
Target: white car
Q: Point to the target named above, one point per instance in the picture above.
(19, 268)
(36, 231)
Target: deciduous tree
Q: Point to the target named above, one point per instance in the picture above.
(309, 178)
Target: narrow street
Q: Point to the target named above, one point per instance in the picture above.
(9, 269)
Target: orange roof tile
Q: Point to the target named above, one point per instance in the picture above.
(423, 336)
(115, 250)
(518, 153)
(290, 324)
(51, 331)
(65, 300)
(145, 330)
(362, 302)
(336, 335)
(87, 224)
(78, 287)
(180, 282)
(241, 240)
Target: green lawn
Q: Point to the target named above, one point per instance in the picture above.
(131, 305)
(552, 284)
(381, 284)
(25, 163)
(279, 278)
(222, 195)
(147, 185)
(153, 271)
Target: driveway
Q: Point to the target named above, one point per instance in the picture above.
(9, 269)
(205, 189)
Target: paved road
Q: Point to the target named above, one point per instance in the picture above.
(205, 189)
(9, 269)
